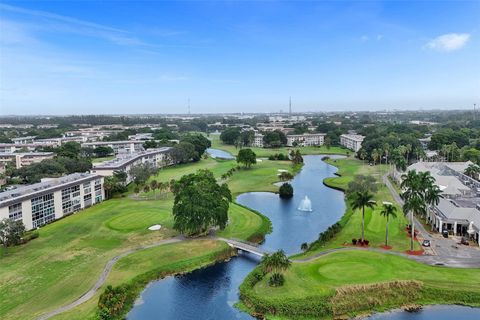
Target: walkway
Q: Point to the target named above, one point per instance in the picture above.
(245, 246)
(101, 280)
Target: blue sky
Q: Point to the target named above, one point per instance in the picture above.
(71, 57)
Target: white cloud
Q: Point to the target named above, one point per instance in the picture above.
(449, 42)
(364, 38)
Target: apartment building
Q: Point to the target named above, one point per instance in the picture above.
(119, 147)
(3, 180)
(41, 203)
(156, 157)
(305, 140)
(25, 158)
(257, 140)
(23, 140)
(352, 141)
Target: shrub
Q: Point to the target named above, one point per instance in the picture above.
(366, 242)
(30, 236)
(286, 191)
(354, 242)
(276, 280)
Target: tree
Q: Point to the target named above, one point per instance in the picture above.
(199, 142)
(69, 149)
(184, 152)
(153, 187)
(296, 156)
(11, 232)
(141, 172)
(230, 135)
(420, 191)
(304, 246)
(328, 142)
(247, 137)
(361, 200)
(276, 262)
(103, 151)
(146, 189)
(274, 139)
(285, 191)
(247, 157)
(388, 210)
(150, 144)
(360, 183)
(472, 171)
(121, 176)
(200, 203)
(285, 176)
(375, 156)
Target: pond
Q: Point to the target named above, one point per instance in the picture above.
(211, 293)
(220, 154)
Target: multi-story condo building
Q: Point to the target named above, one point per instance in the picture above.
(257, 140)
(30, 147)
(352, 141)
(118, 147)
(23, 140)
(156, 157)
(24, 159)
(3, 179)
(304, 140)
(41, 203)
(141, 136)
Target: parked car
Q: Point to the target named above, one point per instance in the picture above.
(426, 243)
(464, 241)
(445, 233)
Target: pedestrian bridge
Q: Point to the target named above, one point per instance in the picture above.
(245, 246)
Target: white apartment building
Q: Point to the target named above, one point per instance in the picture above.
(352, 141)
(118, 147)
(156, 157)
(41, 203)
(305, 140)
(23, 140)
(24, 159)
(257, 140)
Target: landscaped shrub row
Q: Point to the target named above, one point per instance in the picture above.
(325, 236)
(265, 228)
(278, 156)
(115, 302)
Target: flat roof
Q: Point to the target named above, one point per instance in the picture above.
(32, 190)
(120, 162)
(113, 142)
(9, 154)
(356, 137)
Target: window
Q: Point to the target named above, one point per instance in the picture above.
(43, 210)
(71, 200)
(15, 211)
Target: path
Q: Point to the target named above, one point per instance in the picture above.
(101, 280)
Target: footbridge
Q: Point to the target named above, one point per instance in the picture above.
(245, 246)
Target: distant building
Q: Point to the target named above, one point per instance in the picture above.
(352, 141)
(141, 136)
(41, 203)
(305, 140)
(3, 179)
(23, 140)
(118, 147)
(156, 157)
(258, 140)
(25, 159)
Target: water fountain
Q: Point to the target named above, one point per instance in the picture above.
(305, 205)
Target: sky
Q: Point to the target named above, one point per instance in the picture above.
(121, 57)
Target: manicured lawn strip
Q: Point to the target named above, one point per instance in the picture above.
(374, 222)
(265, 152)
(102, 159)
(316, 282)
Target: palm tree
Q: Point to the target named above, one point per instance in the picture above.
(304, 246)
(375, 155)
(146, 189)
(388, 210)
(472, 171)
(154, 186)
(360, 200)
(362, 154)
(276, 262)
(420, 191)
(408, 149)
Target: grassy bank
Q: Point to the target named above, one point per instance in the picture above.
(356, 282)
(135, 271)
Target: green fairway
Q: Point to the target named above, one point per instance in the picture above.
(67, 258)
(374, 222)
(265, 152)
(153, 263)
(316, 283)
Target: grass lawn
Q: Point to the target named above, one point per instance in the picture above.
(101, 159)
(317, 281)
(169, 258)
(67, 258)
(374, 222)
(265, 152)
